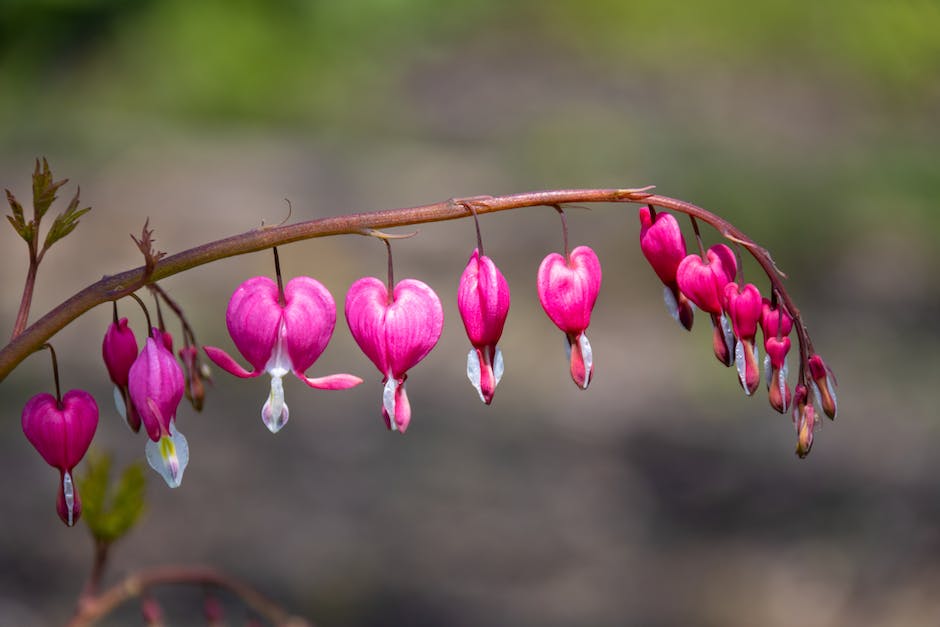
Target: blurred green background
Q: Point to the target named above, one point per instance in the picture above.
(661, 496)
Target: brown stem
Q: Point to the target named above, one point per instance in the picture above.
(93, 608)
(118, 285)
(23, 314)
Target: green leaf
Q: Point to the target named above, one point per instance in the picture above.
(65, 222)
(18, 220)
(44, 189)
(111, 511)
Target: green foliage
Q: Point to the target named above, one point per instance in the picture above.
(44, 194)
(111, 511)
(65, 222)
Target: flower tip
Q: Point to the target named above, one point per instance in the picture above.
(68, 505)
(169, 457)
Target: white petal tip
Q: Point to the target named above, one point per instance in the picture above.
(169, 457)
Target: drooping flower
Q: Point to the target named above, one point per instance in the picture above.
(483, 301)
(703, 282)
(62, 432)
(119, 350)
(776, 325)
(396, 331)
(744, 307)
(280, 338)
(568, 289)
(824, 384)
(804, 420)
(156, 389)
(664, 247)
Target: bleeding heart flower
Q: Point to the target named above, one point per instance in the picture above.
(703, 281)
(156, 389)
(483, 301)
(280, 338)
(776, 325)
(119, 350)
(568, 289)
(664, 247)
(744, 308)
(395, 331)
(62, 432)
(804, 419)
(825, 385)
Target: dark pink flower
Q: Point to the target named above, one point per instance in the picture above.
(483, 301)
(395, 331)
(776, 325)
(156, 389)
(824, 384)
(62, 433)
(119, 350)
(568, 289)
(703, 282)
(664, 247)
(744, 307)
(279, 339)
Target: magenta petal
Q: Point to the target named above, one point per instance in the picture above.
(413, 324)
(119, 350)
(662, 244)
(61, 436)
(704, 282)
(253, 318)
(483, 300)
(224, 360)
(156, 387)
(366, 304)
(568, 289)
(309, 318)
(331, 382)
(744, 308)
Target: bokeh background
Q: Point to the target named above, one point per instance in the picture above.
(661, 496)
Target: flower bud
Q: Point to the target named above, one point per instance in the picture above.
(664, 248)
(824, 384)
(119, 350)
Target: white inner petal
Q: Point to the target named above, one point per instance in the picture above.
(169, 457)
(741, 364)
(587, 355)
(832, 391)
(119, 404)
(782, 383)
(768, 371)
(728, 332)
(275, 413)
(279, 363)
(69, 491)
(671, 305)
(473, 371)
(388, 400)
(498, 365)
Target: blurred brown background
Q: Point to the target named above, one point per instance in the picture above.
(661, 496)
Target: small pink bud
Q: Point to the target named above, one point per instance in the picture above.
(776, 325)
(62, 433)
(775, 368)
(156, 389)
(119, 350)
(825, 384)
(395, 331)
(744, 309)
(703, 282)
(568, 289)
(280, 339)
(483, 301)
(664, 247)
(804, 419)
